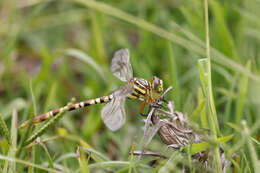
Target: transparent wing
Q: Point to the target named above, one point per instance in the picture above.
(121, 66)
(113, 113)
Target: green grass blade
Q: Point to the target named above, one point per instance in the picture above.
(51, 165)
(189, 158)
(188, 34)
(131, 166)
(204, 70)
(9, 159)
(87, 59)
(113, 164)
(252, 152)
(199, 147)
(11, 166)
(199, 111)
(109, 164)
(212, 114)
(14, 130)
(171, 164)
(240, 104)
(142, 163)
(51, 97)
(4, 130)
(242, 95)
(83, 163)
(203, 115)
(65, 157)
(96, 20)
(174, 77)
(33, 99)
(98, 155)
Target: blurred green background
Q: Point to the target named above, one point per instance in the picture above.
(63, 48)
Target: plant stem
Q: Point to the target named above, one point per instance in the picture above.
(213, 122)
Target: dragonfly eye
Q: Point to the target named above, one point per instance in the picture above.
(157, 84)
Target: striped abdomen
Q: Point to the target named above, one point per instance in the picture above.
(71, 107)
(141, 89)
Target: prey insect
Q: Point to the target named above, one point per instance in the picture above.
(113, 113)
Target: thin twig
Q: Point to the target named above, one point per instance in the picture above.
(148, 153)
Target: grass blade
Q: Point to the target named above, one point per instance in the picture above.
(48, 155)
(212, 114)
(174, 76)
(87, 59)
(113, 164)
(199, 147)
(4, 130)
(252, 153)
(97, 35)
(204, 68)
(9, 159)
(14, 130)
(242, 95)
(99, 155)
(82, 161)
(203, 115)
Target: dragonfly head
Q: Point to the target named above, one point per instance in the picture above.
(157, 84)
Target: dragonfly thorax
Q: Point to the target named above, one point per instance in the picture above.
(141, 88)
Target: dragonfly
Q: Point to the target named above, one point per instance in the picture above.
(113, 113)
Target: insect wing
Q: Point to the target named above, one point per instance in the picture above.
(113, 114)
(121, 66)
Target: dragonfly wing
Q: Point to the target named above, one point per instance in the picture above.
(113, 114)
(121, 66)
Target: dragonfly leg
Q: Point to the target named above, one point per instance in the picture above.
(142, 108)
(149, 101)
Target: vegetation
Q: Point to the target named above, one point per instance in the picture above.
(56, 50)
